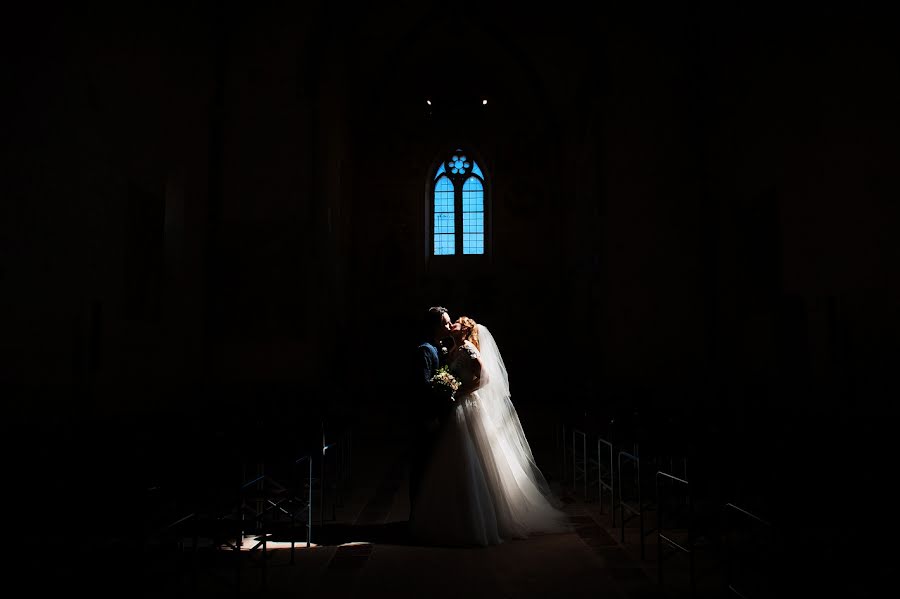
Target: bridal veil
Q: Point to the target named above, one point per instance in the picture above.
(520, 488)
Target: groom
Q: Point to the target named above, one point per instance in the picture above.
(427, 408)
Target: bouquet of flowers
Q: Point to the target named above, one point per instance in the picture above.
(445, 383)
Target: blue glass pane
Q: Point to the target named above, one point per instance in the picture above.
(442, 203)
(443, 222)
(473, 243)
(443, 245)
(473, 184)
(440, 171)
(473, 203)
(458, 164)
(473, 195)
(476, 170)
(443, 195)
(444, 185)
(473, 222)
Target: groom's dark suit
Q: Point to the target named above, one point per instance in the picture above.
(426, 410)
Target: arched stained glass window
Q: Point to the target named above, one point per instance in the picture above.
(458, 207)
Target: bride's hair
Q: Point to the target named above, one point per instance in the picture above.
(470, 330)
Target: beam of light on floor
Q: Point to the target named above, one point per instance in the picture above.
(354, 544)
(250, 542)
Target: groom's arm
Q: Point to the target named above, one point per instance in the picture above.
(427, 365)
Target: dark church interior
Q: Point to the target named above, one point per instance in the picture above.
(217, 244)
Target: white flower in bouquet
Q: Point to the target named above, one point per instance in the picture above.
(444, 381)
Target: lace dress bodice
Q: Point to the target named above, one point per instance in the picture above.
(463, 363)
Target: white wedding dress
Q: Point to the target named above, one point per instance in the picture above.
(482, 485)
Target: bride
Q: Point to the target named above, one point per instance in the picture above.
(482, 486)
